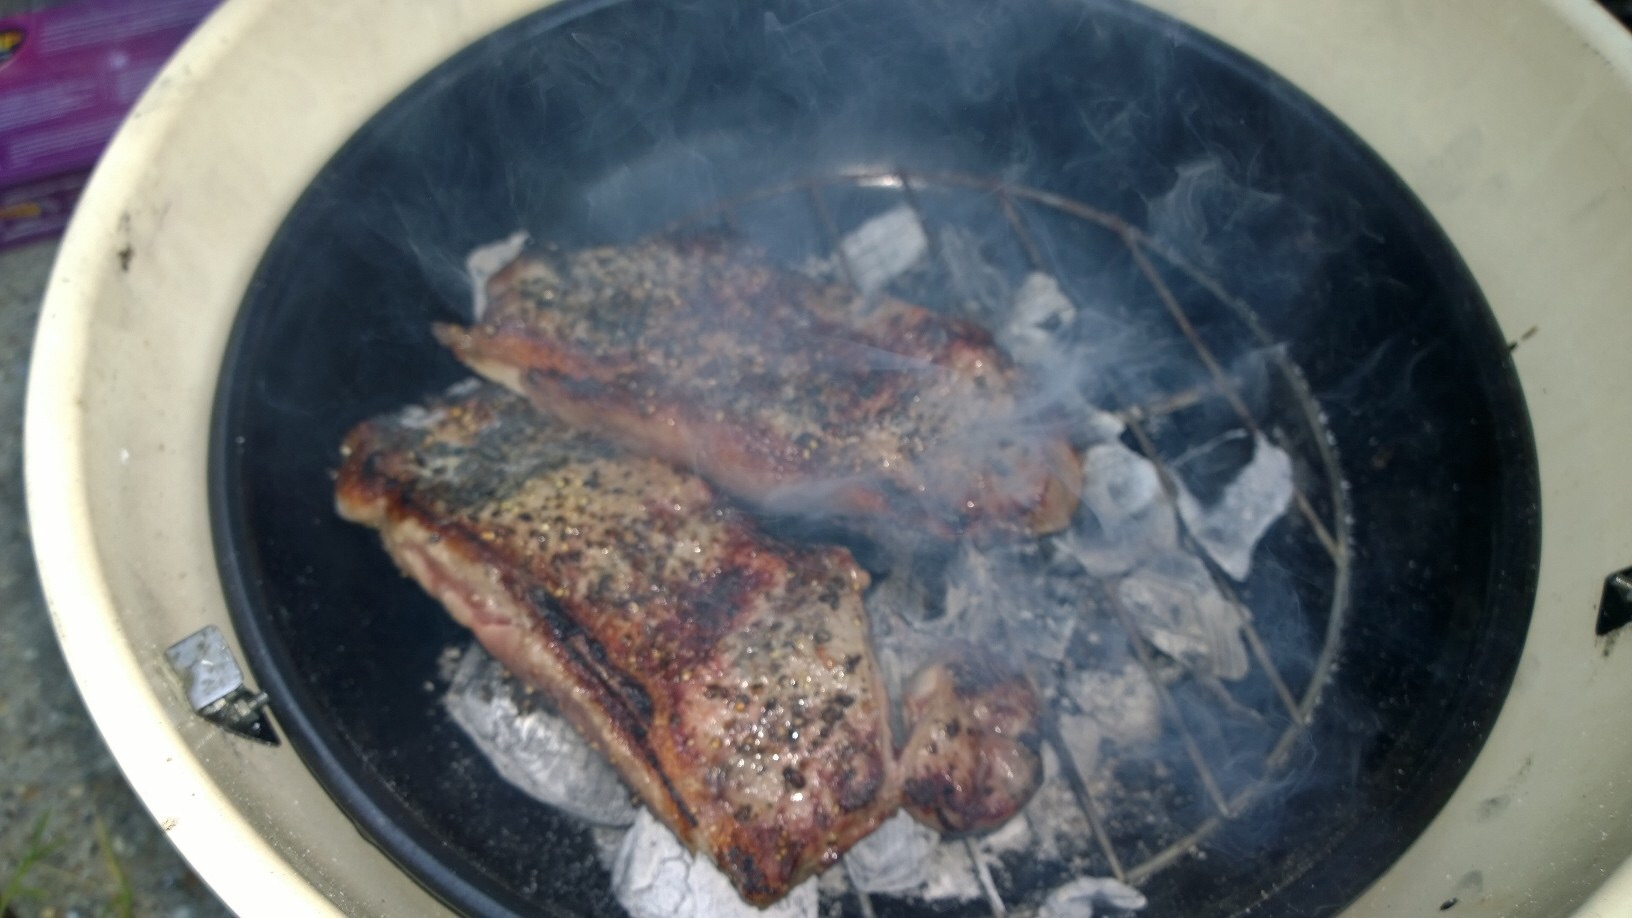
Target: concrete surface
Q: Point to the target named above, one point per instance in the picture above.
(68, 821)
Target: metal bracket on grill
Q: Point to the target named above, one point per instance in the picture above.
(215, 685)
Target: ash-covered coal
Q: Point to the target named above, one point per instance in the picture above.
(1080, 898)
(1040, 310)
(895, 859)
(1178, 608)
(879, 250)
(1229, 527)
(1127, 516)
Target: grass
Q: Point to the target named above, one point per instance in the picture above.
(124, 900)
(40, 845)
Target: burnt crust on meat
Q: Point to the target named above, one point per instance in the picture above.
(799, 396)
(726, 675)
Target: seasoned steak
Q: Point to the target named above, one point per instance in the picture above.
(725, 674)
(800, 397)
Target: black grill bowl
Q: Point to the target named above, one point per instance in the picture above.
(596, 122)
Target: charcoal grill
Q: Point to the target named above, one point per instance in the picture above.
(1383, 634)
(331, 332)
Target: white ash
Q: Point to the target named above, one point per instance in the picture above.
(1120, 705)
(1230, 528)
(996, 598)
(1030, 331)
(952, 869)
(1124, 702)
(1126, 514)
(1014, 835)
(1129, 529)
(952, 876)
(1078, 898)
(1003, 596)
(883, 248)
(1054, 818)
(531, 748)
(1175, 604)
(896, 858)
(655, 876)
(485, 261)
(1040, 309)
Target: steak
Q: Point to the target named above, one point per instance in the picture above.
(803, 398)
(725, 674)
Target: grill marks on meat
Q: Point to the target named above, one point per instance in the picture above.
(726, 675)
(789, 393)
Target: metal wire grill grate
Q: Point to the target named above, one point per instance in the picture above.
(1023, 216)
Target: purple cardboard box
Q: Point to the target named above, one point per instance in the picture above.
(68, 75)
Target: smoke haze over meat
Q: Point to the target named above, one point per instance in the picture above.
(1036, 598)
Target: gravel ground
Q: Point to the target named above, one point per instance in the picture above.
(74, 840)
